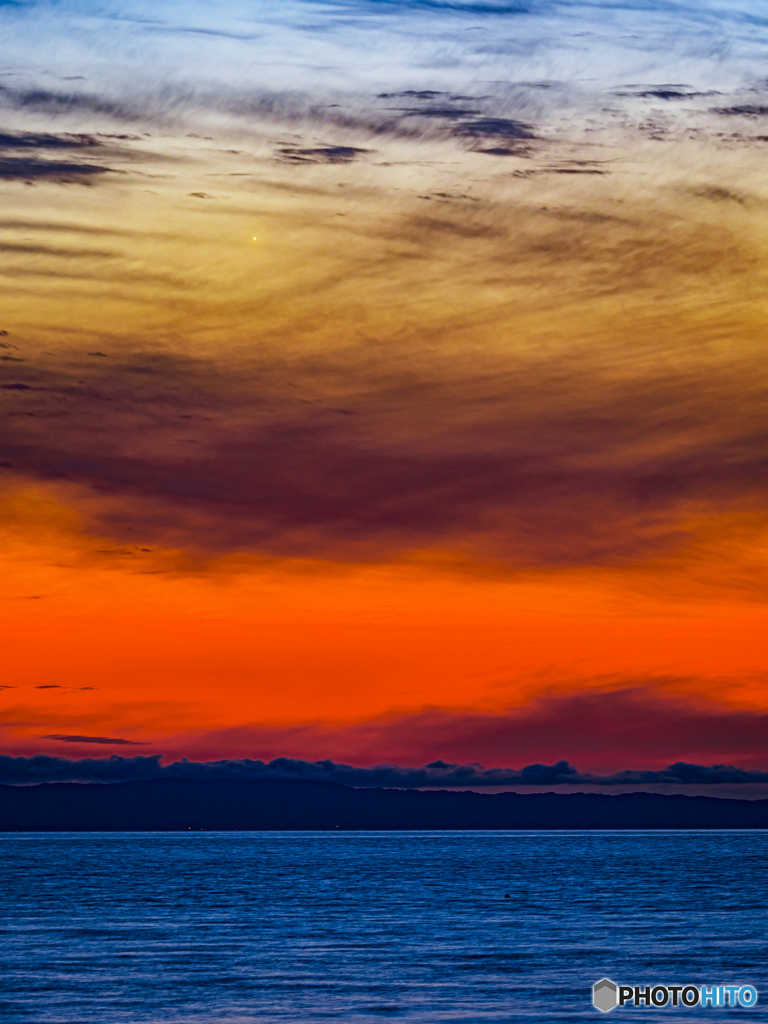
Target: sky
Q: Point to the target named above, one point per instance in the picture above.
(384, 382)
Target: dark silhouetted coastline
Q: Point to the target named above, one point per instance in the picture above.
(180, 804)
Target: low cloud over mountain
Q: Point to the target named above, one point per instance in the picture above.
(42, 768)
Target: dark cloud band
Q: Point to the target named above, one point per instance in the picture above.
(44, 768)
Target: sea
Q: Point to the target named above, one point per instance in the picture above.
(363, 927)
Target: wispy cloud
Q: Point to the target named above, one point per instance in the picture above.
(598, 727)
(94, 739)
(591, 472)
(46, 140)
(59, 170)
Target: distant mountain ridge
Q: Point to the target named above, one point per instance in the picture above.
(181, 804)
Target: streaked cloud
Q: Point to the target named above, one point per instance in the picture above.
(104, 740)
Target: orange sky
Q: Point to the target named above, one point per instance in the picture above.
(421, 447)
(110, 640)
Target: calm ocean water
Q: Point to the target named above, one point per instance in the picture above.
(207, 928)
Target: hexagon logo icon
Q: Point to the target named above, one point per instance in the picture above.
(604, 995)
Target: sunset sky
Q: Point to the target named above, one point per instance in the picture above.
(385, 382)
